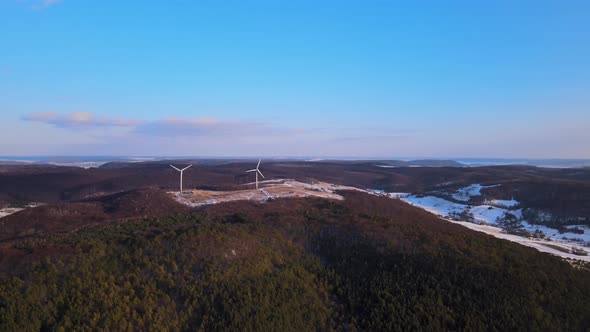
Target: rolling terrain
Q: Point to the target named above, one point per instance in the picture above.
(560, 196)
(112, 248)
(65, 217)
(363, 263)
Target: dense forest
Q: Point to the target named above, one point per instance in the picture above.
(365, 263)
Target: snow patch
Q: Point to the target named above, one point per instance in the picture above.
(486, 219)
(488, 214)
(432, 204)
(464, 194)
(376, 191)
(80, 164)
(6, 211)
(553, 247)
(503, 203)
(398, 195)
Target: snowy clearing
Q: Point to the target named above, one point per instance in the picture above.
(432, 204)
(80, 164)
(547, 246)
(490, 214)
(464, 194)
(503, 203)
(486, 219)
(6, 211)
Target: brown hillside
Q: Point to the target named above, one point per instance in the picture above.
(66, 217)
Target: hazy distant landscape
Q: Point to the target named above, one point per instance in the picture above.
(89, 161)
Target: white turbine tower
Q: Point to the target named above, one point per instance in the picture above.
(257, 170)
(181, 171)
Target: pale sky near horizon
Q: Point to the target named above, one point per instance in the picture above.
(370, 78)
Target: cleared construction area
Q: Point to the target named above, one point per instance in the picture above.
(271, 189)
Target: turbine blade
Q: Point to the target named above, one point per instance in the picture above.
(175, 168)
(259, 160)
(189, 166)
(259, 172)
(252, 170)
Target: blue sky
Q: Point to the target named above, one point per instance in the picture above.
(295, 78)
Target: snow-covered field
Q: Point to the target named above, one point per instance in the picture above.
(541, 245)
(81, 164)
(487, 218)
(465, 194)
(432, 204)
(6, 211)
(503, 202)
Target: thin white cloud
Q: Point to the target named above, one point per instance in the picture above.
(174, 127)
(169, 127)
(217, 137)
(79, 120)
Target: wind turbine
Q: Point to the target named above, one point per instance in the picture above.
(257, 170)
(181, 171)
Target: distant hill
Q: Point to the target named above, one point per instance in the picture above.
(13, 162)
(397, 163)
(115, 165)
(563, 193)
(435, 163)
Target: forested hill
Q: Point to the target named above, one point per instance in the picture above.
(366, 263)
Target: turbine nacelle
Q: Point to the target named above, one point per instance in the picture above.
(182, 170)
(257, 171)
